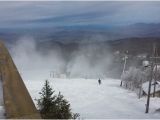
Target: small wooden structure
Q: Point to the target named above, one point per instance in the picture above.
(17, 100)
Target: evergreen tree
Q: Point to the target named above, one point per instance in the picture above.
(63, 110)
(54, 106)
(46, 102)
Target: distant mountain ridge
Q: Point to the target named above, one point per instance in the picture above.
(84, 33)
(135, 46)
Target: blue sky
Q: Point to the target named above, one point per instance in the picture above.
(58, 14)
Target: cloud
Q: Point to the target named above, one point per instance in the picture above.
(54, 13)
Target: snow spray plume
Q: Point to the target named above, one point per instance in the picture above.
(31, 61)
(89, 61)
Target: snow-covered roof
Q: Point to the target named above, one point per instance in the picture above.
(145, 63)
(158, 68)
(146, 84)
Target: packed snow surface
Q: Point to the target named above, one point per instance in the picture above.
(94, 101)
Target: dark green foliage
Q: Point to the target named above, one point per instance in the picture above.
(54, 106)
(45, 103)
(63, 107)
(75, 115)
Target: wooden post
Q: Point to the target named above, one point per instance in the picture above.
(140, 89)
(149, 87)
(124, 67)
(155, 72)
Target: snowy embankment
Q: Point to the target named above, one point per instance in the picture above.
(2, 111)
(91, 100)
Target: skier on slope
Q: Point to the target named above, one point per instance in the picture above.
(99, 81)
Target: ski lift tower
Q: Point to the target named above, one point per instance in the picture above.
(124, 65)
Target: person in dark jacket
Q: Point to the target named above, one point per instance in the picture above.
(99, 81)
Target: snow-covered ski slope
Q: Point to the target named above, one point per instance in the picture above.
(91, 100)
